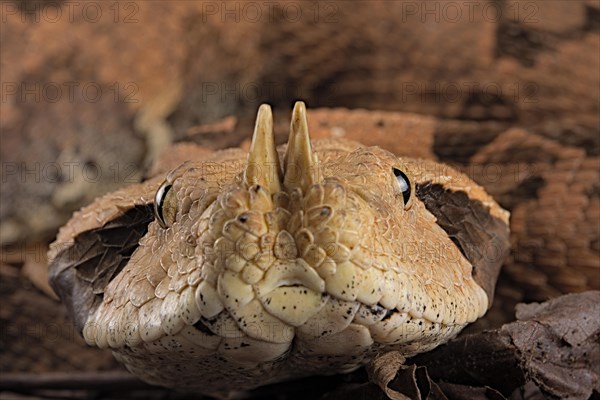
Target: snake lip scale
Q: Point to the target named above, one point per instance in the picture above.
(308, 258)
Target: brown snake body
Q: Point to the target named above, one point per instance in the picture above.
(285, 262)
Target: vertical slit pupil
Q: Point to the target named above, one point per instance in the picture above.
(404, 184)
(159, 202)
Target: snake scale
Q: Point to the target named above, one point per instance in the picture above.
(240, 269)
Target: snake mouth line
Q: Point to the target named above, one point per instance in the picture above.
(203, 328)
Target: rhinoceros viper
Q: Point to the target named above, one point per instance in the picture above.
(241, 269)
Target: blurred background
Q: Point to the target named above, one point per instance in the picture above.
(94, 91)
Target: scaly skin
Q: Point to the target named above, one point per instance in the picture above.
(265, 270)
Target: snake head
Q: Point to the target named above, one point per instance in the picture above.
(307, 258)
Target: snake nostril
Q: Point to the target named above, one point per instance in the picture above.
(191, 239)
(325, 212)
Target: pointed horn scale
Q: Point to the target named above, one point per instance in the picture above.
(300, 161)
(263, 162)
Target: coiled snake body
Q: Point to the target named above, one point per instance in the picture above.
(239, 270)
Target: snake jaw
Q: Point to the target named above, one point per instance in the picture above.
(263, 166)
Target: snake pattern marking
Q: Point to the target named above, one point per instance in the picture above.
(242, 269)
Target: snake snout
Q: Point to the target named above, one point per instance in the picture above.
(290, 273)
(292, 291)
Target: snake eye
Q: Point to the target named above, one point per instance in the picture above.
(404, 185)
(161, 211)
